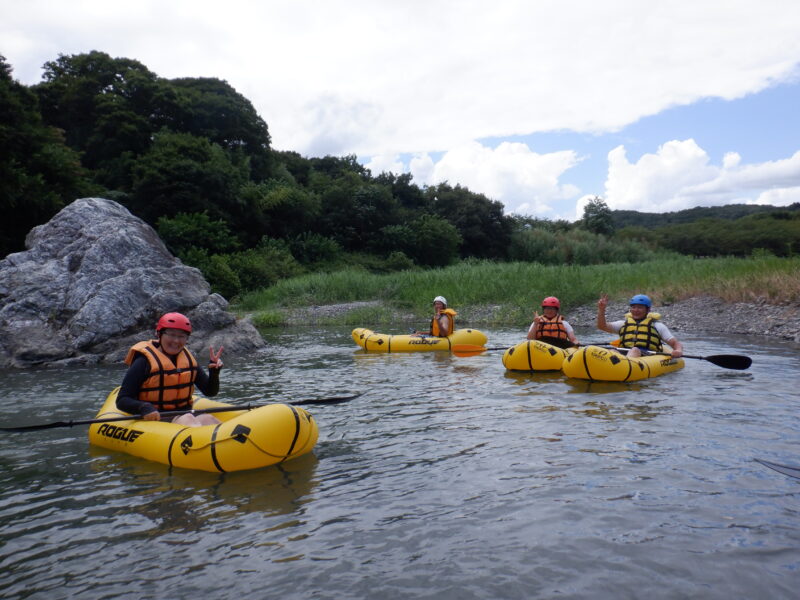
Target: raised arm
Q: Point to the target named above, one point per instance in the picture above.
(602, 324)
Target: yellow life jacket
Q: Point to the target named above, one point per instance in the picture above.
(641, 334)
(552, 328)
(170, 385)
(451, 317)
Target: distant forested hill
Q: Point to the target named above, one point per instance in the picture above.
(634, 218)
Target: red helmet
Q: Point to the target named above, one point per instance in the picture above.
(551, 301)
(174, 321)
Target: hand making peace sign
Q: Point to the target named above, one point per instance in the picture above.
(215, 362)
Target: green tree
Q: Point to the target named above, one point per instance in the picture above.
(111, 108)
(353, 210)
(484, 229)
(278, 209)
(185, 231)
(299, 167)
(338, 166)
(428, 240)
(104, 105)
(597, 217)
(407, 194)
(213, 109)
(39, 174)
(182, 173)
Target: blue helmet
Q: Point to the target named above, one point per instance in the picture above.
(641, 299)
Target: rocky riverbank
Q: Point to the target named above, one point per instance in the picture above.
(703, 313)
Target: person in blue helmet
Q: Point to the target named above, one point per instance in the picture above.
(641, 330)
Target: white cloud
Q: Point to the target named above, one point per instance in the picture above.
(679, 175)
(524, 181)
(385, 163)
(427, 77)
(421, 168)
(420, 78)
(780, 197)
(653, 182)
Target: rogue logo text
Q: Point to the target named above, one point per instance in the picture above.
(119, 433)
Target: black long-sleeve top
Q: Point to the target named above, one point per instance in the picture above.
(139, 371)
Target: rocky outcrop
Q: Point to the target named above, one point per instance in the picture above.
(93, 281)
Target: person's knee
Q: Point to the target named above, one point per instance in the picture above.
(186, 420)
(206, 419)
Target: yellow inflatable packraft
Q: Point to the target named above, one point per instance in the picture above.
(247, 439)
(382, 342)
(601, 364)
(535, 355)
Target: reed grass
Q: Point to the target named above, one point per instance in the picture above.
(514, 289)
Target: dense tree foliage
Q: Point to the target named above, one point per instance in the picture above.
(193, 158)
(112, 108)
(39, 173)
(777, 232)
(485, 230)
(731, 212)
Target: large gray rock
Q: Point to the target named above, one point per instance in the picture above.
(93, 281)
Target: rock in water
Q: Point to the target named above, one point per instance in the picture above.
(94, 281)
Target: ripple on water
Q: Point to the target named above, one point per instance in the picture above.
(449, 477)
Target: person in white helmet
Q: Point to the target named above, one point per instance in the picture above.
(443, 322)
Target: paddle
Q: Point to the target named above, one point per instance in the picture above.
(785, 469)
(726, 361)
(472, 350)
(175, 413)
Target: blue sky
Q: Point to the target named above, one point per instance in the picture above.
(761, 127)
(540, 105)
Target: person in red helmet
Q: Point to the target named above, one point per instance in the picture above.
(551, 327)
(162, 375)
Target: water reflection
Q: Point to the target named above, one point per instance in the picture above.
(583, 386)
(186, 499)
(612, 412)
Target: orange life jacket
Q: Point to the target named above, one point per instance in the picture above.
(170, 385)
(451, 316)
(553, 328)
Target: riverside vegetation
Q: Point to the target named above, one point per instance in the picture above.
(192, 157)
(489, 293)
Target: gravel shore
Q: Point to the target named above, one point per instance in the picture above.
(703, 313)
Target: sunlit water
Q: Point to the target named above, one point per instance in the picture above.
(448, 478)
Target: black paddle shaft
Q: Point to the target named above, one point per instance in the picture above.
(175, 413)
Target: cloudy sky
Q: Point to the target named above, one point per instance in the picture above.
(541, 104)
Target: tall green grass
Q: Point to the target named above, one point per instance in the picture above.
(518, 287)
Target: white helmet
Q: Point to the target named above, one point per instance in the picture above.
(441, 299)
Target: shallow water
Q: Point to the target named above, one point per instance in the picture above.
(448, 478)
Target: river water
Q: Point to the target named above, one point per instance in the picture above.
(449, 478)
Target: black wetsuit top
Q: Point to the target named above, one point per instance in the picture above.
(139, 371)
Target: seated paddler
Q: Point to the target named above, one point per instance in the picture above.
(551, 327)
(443, 322)
(641, 330)
(162, 374)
